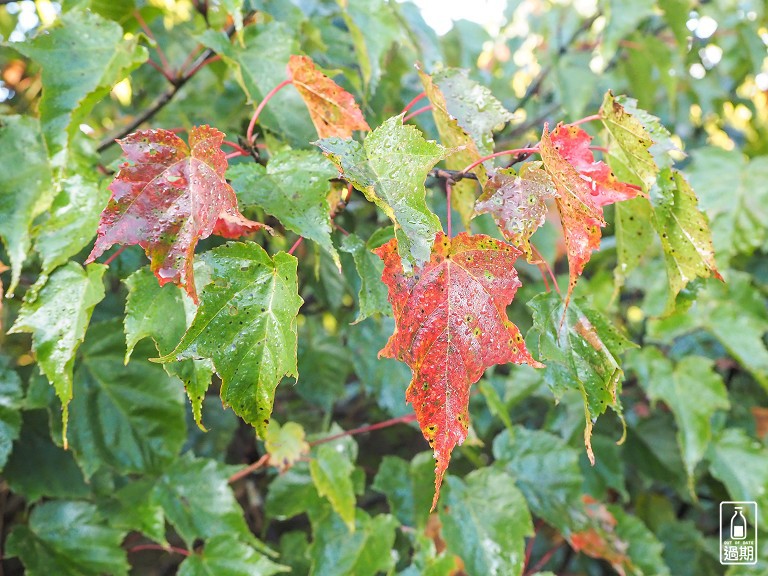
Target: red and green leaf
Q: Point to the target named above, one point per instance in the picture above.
(333, 110)
(580, 214)
(451, 324)
(167, 197)
(573, 144)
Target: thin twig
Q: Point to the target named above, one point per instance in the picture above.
(585, 120)
(260, 107)
(417, 112)
(546, 265)
(517, 151)
(261, 462)
(412, 102)
(117, 253)
(454, 175)
(169, 549)
(296, 245)
(167, 71)
(363, 429)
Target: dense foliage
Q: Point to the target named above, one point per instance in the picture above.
(304, 213)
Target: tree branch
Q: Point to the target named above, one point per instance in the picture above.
(454, 175)
(162, 100)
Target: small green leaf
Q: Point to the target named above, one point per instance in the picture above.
(72, 222)
(251, 299)
(741, 463)
(198, 502)
(68, 539)
(127, 418)
(293, 188)
(581, 350)
(26, 187)
(221, 556)
(83, 56)
(331, 471)
(684, 233)
(285, 444)
(58, 319)
(677, 386)
(485, 522)
(373, 293)
(390, 168)
(10, 410)
(408, 487)
(365, 552)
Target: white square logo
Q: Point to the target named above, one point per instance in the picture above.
(738, 533)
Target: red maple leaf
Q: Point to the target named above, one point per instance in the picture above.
(333, 110)
(450, 325)
(573, 144)
(580, 214)
(167, 197)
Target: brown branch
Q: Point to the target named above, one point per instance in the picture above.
(162, 100)
(454, 175)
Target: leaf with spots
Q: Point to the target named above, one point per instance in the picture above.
(293, 187)
(631, 142)
(333, 110)
(582, 352)
(451, 324)
(580, 214)
(246, 324)
(573, 144)
(518, 203)
(684, 233)
(169, 196)
(390, 168)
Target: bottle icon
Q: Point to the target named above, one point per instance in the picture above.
(738, 525)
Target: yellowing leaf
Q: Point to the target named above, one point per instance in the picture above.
(333, 110)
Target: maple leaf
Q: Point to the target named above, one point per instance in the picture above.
(518, 202)
(333, 110)
(573, 144)
(580, 214)
(169, 196)
(450, 325)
